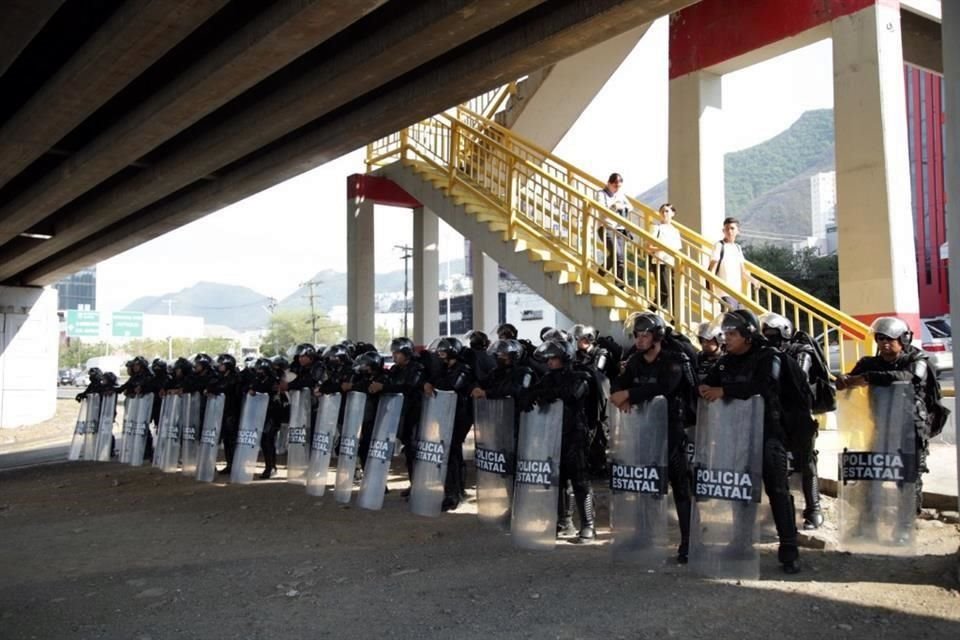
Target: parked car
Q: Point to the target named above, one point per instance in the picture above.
(65, 377)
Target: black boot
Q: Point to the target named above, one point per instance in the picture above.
(812, 515)
(683, 517)
(784, 516)
(585, 506)
(565, 528)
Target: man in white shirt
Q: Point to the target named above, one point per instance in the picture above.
(728, 263)
(613, 198)
(669, 236)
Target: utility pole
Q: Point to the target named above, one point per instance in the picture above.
(313, 309)
(169, 304)
(271, 307)
(406, 257)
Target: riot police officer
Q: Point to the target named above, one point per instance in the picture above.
(138, 383)
(710, 336)
(801, 428)
(751, 367)
(454, 375)
(406, 377)
(650, 372)
(264, 380)
(509, 379)
(227, 383)
(476, 356)
(561, 382)
(367, 370)
(897, 360)
(95, 376)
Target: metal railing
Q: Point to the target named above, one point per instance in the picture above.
(549, 203)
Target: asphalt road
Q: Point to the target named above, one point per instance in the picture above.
(45, 454)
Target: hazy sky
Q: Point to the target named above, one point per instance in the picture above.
(278, 238)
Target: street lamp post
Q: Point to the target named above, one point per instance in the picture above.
(169, 304)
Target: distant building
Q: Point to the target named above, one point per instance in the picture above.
(78, 291)
(823, 206)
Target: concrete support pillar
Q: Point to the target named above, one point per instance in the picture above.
(426, 275)
(951, 76)
(29, 334)
(695, 152)
(878, 272)
(486, 291)
(361, 287)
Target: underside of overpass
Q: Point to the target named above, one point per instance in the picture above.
(121, 121)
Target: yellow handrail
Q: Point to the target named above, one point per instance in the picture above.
(546, 202)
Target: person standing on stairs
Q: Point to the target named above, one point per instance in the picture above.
(613, 234)
(663, 262)
(728, 263)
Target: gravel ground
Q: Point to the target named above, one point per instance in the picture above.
(108, 551)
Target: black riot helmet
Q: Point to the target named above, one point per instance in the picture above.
(369, 363)
(555, 348)
(361, 347)
(305, 349)
(402, 345)
(140, 360)
(109, 379)
(584, 332)
(95, 374)
(348, 344)
(227, 361)
(202, 360)
(544, 333)
(743, 321)
(280, 363)
(645, 322)
(158, 366)
(264, 366)
(556, 334)
(336, 354)
(183, 366)
(506, 351)
(448, 348)
(507, 331)
(477, 340)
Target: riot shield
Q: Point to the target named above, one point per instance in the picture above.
(252, 418)
(298, 455)
(168, 436)
(494, 459)
(324, 433)
(126, 430)
(349, 445)
(433, 453)
(164, 421)
(534, 521)
(140, 425)
(93, 427)
(377, 469)
(190, 435)
(727, 480)
(878, 469)
(76, 450)
(210, 439)
(104, 442)
(638, 484)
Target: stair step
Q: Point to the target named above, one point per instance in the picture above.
(609, 301)
(539, 255)
(553, 266)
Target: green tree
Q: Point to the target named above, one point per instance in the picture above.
(817, 275)
(75, 353)
(289, 328)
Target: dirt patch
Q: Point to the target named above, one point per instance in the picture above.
(59, 427)
(106, 551)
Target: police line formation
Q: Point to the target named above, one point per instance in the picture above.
(660, 416)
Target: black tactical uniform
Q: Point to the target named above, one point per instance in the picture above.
(264, 380)
(228, 385)
(757, 372)
(458, 377)
(367, 369)
(669, 374)
(571, 388)
(407, 379)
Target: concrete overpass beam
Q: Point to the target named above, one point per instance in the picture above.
(22, 19)
(361, 283)
(695, 151)
(426, 275)
(136, 36)
(277, 37)
(878, 271)
(486, 291)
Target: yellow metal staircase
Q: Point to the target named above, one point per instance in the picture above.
(547, 209)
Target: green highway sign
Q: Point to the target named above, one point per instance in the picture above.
(127, 324)
(83, 324)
